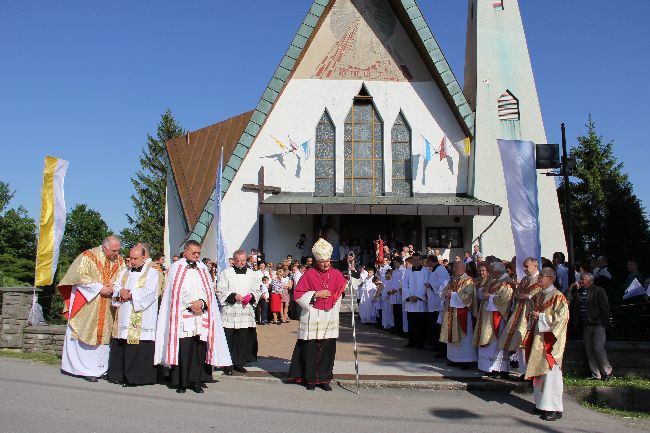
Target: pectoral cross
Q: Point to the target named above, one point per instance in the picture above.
(261, 190)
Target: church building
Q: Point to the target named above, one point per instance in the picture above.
(364, 129)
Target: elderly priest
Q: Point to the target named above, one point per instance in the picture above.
(87, 288)
(238, 291)
(135, 299)
(318, 293)
(189, 334)
(544, 346)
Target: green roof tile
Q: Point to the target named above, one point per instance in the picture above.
(282, 73)
(252, 128)
(258, 117)
(311, 20)
(265, 106)
(239, 151)
(246, 140)
(229, 172)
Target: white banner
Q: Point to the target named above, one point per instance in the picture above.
(518, 159)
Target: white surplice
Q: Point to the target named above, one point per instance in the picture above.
(414, 286)
(143, 299)
(438, 280)
(79, 358)
(547, 390)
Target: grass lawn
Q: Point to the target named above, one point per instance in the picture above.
(632, 382)
(45, 358)
(615, 412)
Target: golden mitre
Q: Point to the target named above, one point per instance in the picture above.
(322, 250)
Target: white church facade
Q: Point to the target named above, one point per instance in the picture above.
(362, 127)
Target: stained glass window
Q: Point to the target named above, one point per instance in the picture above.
(324, 157)
(401, 140)
(363, 151)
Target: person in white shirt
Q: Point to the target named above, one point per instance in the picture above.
(367, 293)
(395, 294)
(387, 318)
(438, 279)
(414, 295)
(132, 347)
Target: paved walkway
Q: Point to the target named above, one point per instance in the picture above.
(382, 355)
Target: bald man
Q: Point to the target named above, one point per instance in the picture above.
(87, 288)
(135, 297)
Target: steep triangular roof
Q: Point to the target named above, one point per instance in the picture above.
(193, 160)
(411, 17)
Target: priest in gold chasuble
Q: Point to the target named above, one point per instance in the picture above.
(512, 338)
(87, 289)
(491, 321)
(457, 324)
(544, 346)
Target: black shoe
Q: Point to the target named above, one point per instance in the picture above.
(504, 375)
(129, 385)
(90, 378)
(551, 416)
(593, 378)
(464, 367)
(197, 388)
(325, 387)
(606, 377)
(310, 387)
(240, 369)
(181, 390)
(538, 411)
(227, 371)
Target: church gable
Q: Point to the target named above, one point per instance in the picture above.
(343, 21)
(362, 40)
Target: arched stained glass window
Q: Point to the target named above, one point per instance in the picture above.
(324, 158)
(363, 150)
(401, 144)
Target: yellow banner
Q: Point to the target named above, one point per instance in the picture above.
(52, 223)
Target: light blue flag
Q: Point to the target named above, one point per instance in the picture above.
(305, 149)
(222, 251)
(523, 204)
(427, 150)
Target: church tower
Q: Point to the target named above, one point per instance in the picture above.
(500, 87)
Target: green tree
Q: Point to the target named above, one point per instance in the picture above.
(17, 242)
(84, 229)
(608, 217)
(148, 221)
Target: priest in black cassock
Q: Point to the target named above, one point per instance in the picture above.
(189, 334)
(318, 293)
(135, 298)
(239, 290)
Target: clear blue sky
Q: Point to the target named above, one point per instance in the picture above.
(86, 81)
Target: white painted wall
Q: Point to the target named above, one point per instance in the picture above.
(297, 113)
(497, 60)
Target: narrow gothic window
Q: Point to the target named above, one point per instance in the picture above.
(363, 149)
(508, 106)
(325, 180)
(401, 144)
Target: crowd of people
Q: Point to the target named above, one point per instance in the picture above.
(139, 323)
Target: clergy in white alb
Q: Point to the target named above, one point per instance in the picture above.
(189, 334)
(438, 279)
(544, 346)
(319, 294)
(491, 320)
(457, 325)
(135, 299)
(513, 335)
(87, 288)
(395, 294)
(414, 295)
(238, 290)
(387, 318)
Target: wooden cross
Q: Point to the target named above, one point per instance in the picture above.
(260, 187)
(261, 190)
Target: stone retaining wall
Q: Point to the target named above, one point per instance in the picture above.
(47, 339)
(16, 303)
